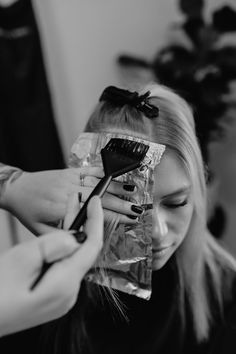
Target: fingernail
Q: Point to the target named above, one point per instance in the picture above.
(147, 206)
(137, 209)
(129, 187)
(80, 236)
(132, 217)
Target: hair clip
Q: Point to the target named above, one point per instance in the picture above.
(121, 97)
(148, 109)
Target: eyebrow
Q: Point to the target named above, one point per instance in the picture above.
(183, 190)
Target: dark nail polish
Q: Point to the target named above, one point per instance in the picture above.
(80, 236)
(132, 217)
(129, 187)
(137, 209)
(147, 206)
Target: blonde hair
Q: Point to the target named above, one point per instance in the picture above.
(200, 259)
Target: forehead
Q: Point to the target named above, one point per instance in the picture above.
(170, 175)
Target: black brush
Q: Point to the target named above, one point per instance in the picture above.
(118, 157)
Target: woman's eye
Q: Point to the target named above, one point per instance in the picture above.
(174, 205)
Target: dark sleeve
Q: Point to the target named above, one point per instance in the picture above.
(224, 338)
(25, 342)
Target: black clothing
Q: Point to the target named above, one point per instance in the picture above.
(28, 134)
(217, 222)
(154, 327)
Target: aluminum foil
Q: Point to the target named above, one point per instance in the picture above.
(125, 262)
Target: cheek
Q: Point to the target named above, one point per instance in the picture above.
(179, 223)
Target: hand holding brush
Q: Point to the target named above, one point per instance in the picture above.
(119, 156)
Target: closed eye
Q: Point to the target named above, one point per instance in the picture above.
(174, 205)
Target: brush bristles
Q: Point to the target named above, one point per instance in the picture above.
(129, 147)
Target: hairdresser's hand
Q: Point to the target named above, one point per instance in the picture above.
(112, 202)
(40, 199)
(56, 293)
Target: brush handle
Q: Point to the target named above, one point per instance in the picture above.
(80, 219)
(99, 190)
(44, 269)
(80, 238)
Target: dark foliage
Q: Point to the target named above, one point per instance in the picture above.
(202, 71)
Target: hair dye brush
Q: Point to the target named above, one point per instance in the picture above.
(118, 157)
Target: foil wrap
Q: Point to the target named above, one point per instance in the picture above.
(125, 262)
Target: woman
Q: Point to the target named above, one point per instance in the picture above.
(191, 309)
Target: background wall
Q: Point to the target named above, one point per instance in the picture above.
(81, 40)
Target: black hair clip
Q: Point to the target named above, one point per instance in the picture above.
(121, 97)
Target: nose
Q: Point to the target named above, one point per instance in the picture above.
(160, 228)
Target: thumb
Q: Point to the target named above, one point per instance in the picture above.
(95, 219)
(57, 245)
(74, 267)
(82, 260)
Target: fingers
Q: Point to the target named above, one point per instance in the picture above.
(129, 211)
(121, 206)
(114, 187)
(73, 208)
(110, 200)
(122, 189)
(57, 245)
(80, 262)
(94, 224)
(64, 276)
(87, 171)
(42, 229)
(94, 229)
(91, 177)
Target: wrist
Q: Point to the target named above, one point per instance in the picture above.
(8, 176)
